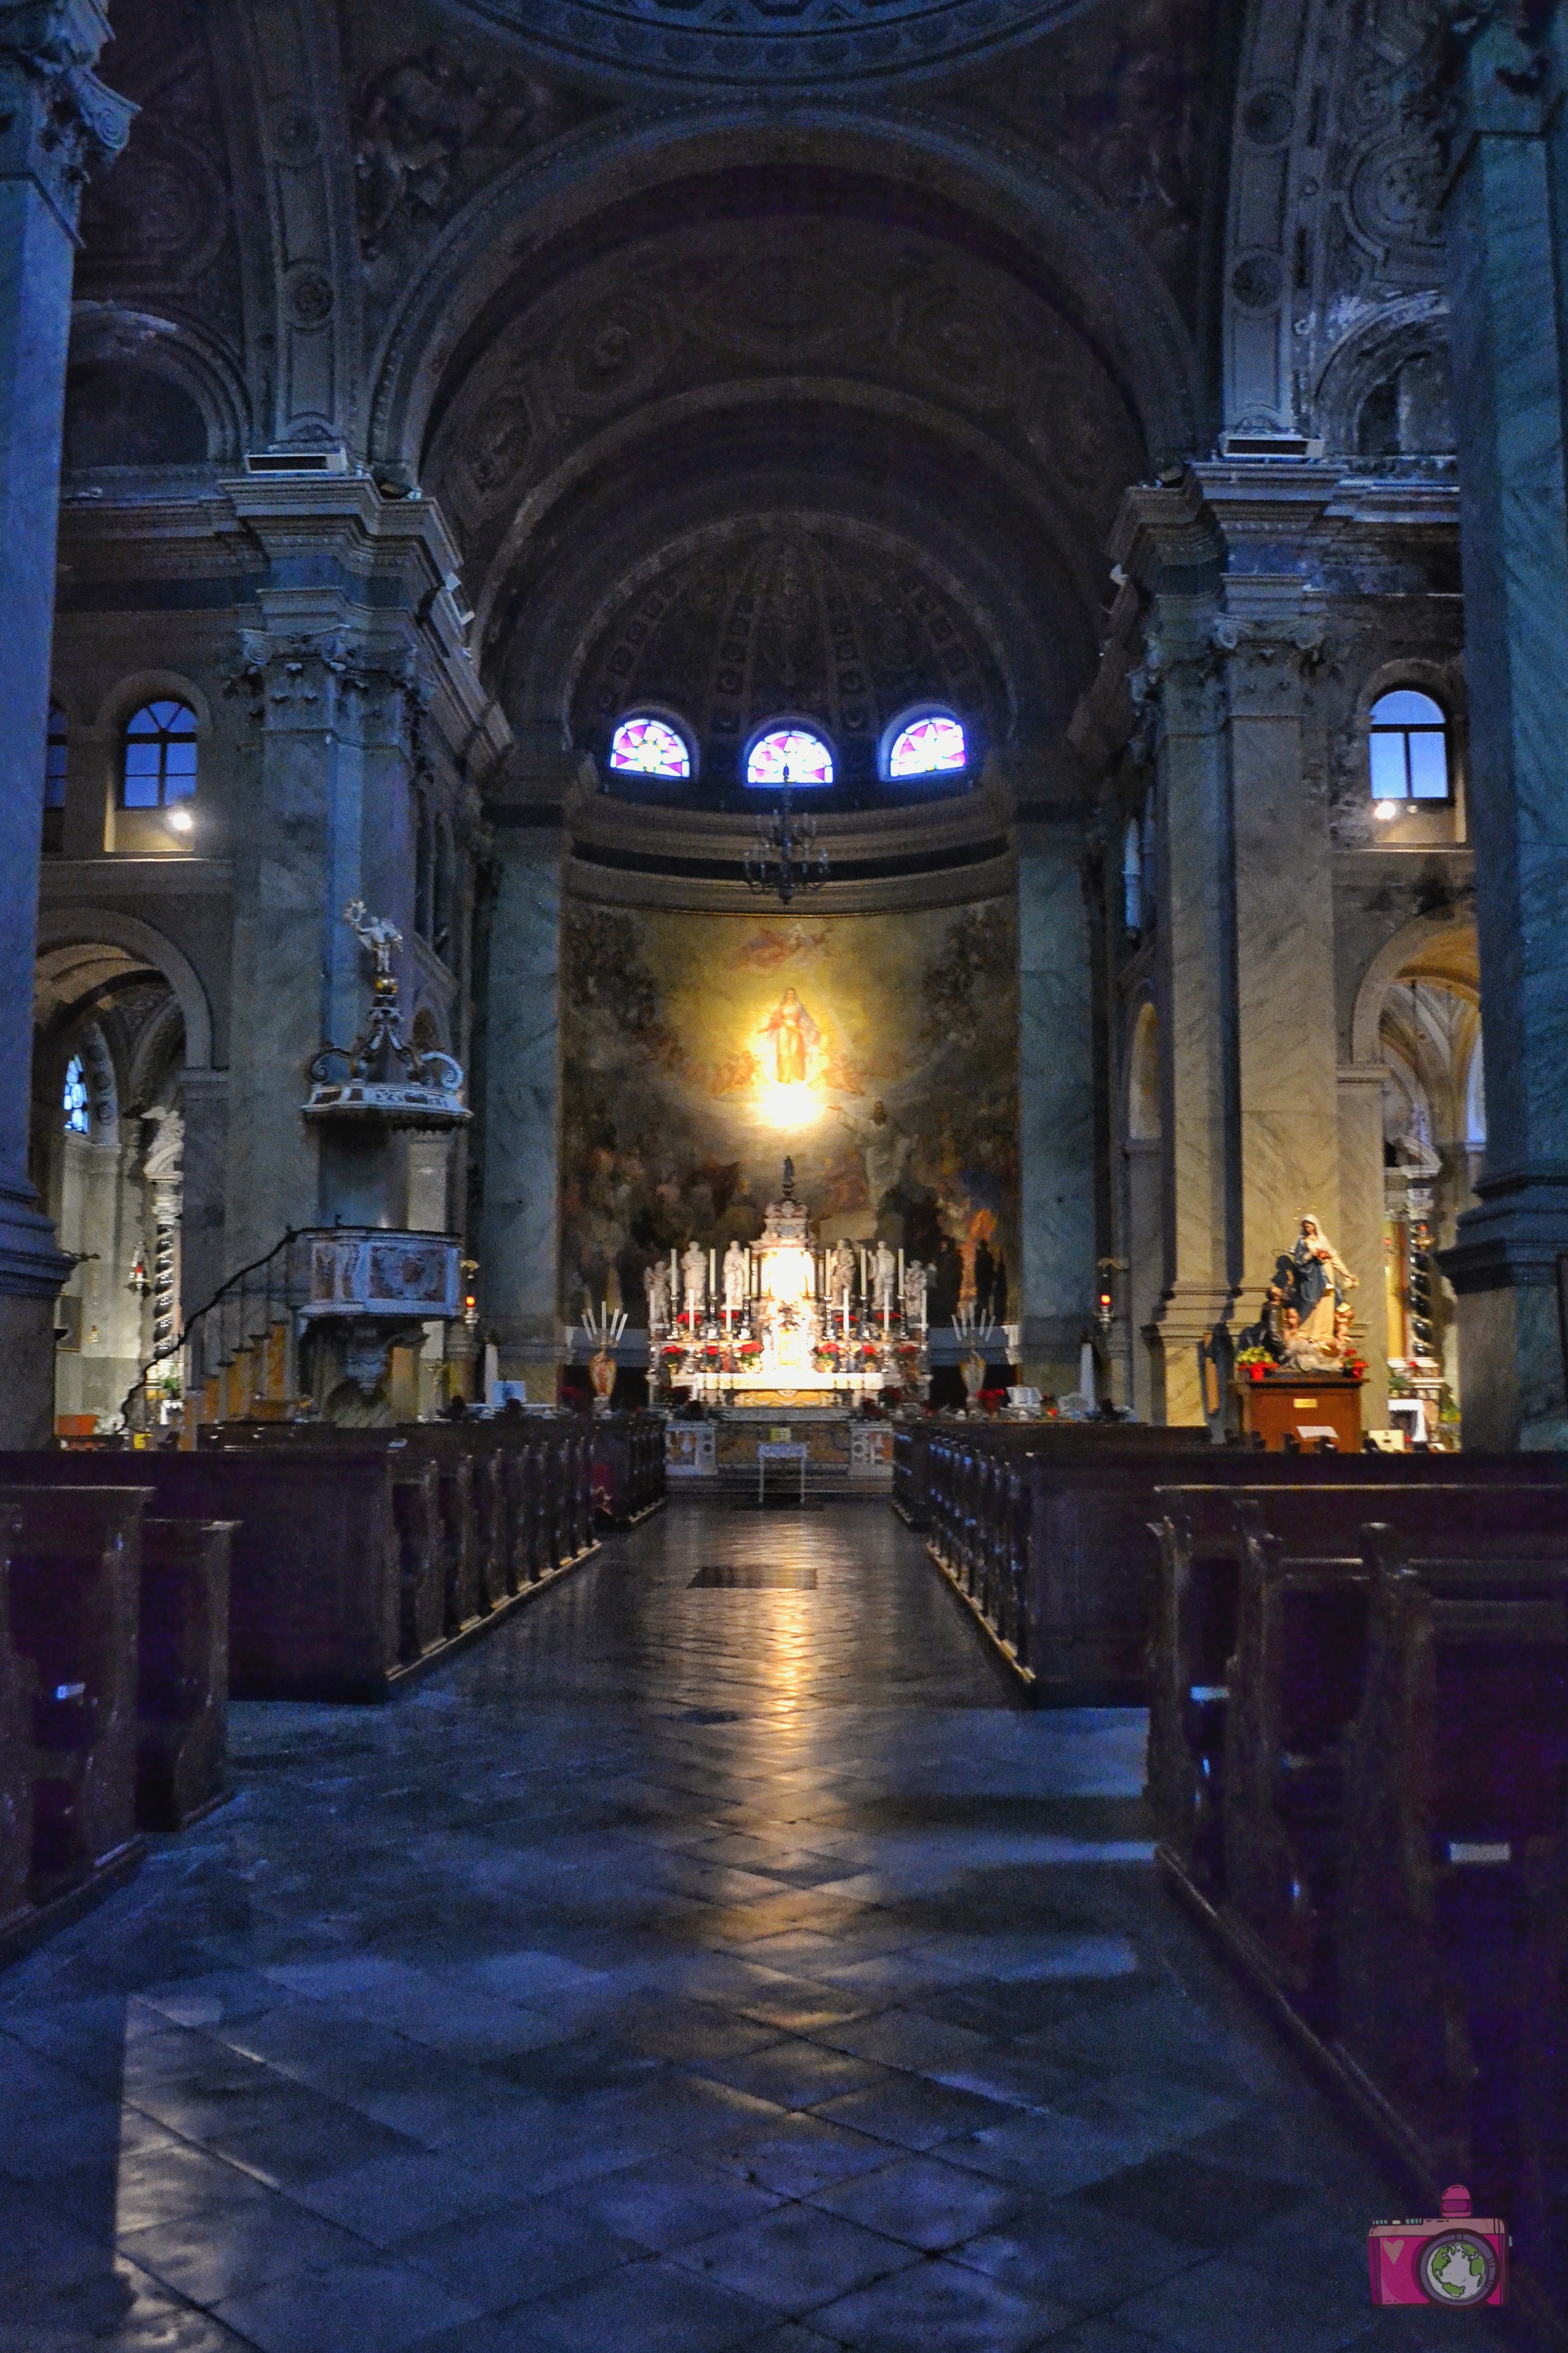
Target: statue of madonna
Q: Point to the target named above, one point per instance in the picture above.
(1317, 1280)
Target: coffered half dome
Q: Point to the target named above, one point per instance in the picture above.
(839, 632)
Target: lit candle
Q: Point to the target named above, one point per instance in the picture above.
(712, 1273)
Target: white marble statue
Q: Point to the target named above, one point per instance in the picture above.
(655, 1282)
(884, 1277)
(917, 1282)
(737, 1277)
(165, 1151)
(694, 1277)
(379, 934)
(841, 1272)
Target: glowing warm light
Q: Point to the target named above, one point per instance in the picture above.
(786, 1106)
(1386, 809)
(179, 820)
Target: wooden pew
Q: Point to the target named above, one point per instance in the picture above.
(628, 1466)
(182, 1678)
(1315, 1506)
(1451, 1931)
(75, 1583)
(315, 1578)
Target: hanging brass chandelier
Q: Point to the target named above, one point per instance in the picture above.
(786, 860)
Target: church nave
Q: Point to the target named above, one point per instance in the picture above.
(717, 1957)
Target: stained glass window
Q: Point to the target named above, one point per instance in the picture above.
(74, 1103)
(1408, 749)
(54, 754)
(649, 747)
(930, 746)
(160, 756)
(789, 755)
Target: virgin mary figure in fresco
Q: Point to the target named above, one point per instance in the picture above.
(794, 1033)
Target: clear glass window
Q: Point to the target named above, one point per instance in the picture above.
(56, 751)
(789, 755)
(932, 746)
(646, 746)
(1408, 749)
(160, 763)
(74, 1103)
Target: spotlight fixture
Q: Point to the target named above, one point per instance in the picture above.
(179, 820)
(1383, 810)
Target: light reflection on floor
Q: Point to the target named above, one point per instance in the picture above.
(684, 1969)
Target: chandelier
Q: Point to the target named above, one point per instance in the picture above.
(785, 858)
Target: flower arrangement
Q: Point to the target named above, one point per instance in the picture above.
(992, 1400)
(672, 1351)
(1254, 1357)
(824, 1357)
(748, 1352)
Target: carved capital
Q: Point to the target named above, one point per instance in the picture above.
(57, 118)
(1266, 662)
(303, 679)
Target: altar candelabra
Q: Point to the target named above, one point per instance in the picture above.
(602, 1331)
(972, 1333)
(785, 858)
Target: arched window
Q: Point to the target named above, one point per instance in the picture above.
(934, 744)
(74, 1103)
(56, 751)
(1132, 876)
(789, 755)
(160, 766)
(643, 745)
(1407, 750)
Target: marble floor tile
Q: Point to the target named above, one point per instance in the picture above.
(677, 1970)
(937, 2308)
(795, 2258)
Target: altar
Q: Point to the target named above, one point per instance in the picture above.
(835, 1447)
(784, 1325)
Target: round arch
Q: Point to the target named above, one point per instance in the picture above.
(1138, 329)
(61, 927)
(1392, 962)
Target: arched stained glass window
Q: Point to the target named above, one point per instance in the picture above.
(1408, 749)
(74, 1103)
(789, 755)
(932, 745)
(160, 756)
(56, 751)
(646, 746)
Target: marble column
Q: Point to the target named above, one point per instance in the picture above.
(1286, 1051)
(1360, 1234)
(519, 1240)
(336, 671)
(1508, 274)
(1055, 1104)
(55, 118)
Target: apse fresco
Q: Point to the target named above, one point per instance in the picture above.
(879, 1051)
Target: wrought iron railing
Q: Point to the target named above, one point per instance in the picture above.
(242, 1312)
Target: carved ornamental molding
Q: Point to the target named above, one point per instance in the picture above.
(57, 118)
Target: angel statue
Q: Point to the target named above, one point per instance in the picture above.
(379, 934)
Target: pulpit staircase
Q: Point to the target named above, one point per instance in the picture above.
(239, 1356)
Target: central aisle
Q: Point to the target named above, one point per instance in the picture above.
(715, 1957)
